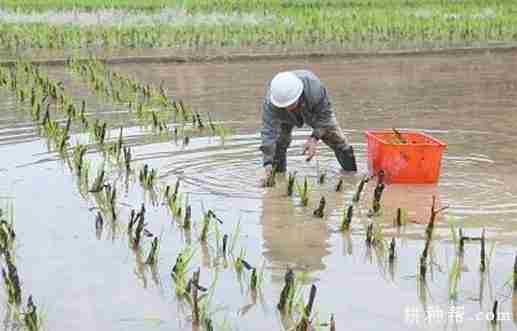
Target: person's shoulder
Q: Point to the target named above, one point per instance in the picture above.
(305, 73)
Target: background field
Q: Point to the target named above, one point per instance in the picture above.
(188, 24)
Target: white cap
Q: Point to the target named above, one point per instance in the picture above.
(286, 88)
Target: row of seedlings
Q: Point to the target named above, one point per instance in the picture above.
(17, 315)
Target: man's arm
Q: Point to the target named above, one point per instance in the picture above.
(269, 133)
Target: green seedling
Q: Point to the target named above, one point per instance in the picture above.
(369, 234)
(322, 177)
(401, 218)
(211, 124)
(153, 253)
(166, 194)
(423, 259)
(133, 218)
(377, 194)
(147, 178)
(195, 300)
(208, 324)
(137, 219)
(461, 247)
(339, 185)
(206, 225)
(494, 313)
(187, 222)
(225, 245)
(253, 279)
(235, 237)
(65, 135)
(287, 290)
(7, 236)
(222, 132)
(239, 264)
(11, 281)
(392, 254)
(98, 184)
(332, 323)
(78, 158)
(482, 266)
(319, 212)
(140, 225)
(174, 201)
(303, 192)
(454, 278)
(127, 159)
(82, 114)
(99, 132)
(180, 270)
(347, 218)
(434, 213)
(296, 294)
(115, 149)
(515, 275)
(360, 187)
(305, 323)
(99, 224)
(290, 183)
(200, 124)
(110, 200)
(374, 236)
(30, 318)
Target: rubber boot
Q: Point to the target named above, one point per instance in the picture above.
(346, 159)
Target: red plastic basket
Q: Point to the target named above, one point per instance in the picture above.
(417, 162)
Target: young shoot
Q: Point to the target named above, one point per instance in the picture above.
(320, 211)
(78, 158)
(153, 253)
(347, 218)
(98, 184)
(290, 183)
(303, 192)
(339, 186)
(147, 178)
(401, 218)
(180, 270)
(30, 319)
(11, 281)
(360, 187)
(206, 226)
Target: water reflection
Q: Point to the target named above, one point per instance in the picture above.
(415, 200)
(291, 236)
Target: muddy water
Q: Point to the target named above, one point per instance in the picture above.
(87, 282)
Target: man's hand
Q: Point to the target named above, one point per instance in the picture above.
(268, 172)
(309, 148)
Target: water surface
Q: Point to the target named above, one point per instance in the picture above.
(84, 282)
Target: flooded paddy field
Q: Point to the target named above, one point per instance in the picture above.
(84, 275)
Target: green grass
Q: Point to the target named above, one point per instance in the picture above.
(228, 5)
(349, 24)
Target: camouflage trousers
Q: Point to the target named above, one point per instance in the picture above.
(333, 138)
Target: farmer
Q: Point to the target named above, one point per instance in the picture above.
(294, 98)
